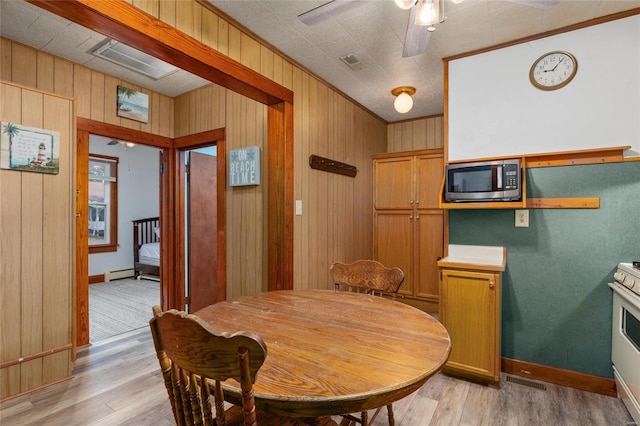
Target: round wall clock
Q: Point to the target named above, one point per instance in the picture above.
(553, 70)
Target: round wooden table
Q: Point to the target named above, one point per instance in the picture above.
(331, 352)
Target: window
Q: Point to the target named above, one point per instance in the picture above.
(103, 203)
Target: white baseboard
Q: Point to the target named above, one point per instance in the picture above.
(115, 275)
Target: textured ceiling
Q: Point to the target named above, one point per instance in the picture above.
(374, 32)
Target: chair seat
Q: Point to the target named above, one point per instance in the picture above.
(235, 417)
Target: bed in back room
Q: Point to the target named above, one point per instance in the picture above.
(146, 248)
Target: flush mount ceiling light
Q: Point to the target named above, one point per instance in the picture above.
(403, 102)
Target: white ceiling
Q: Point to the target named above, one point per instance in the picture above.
(374, 32)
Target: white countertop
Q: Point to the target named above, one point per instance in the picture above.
(489, 257)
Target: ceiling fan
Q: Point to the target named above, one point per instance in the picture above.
(125, 145)
(424, 15)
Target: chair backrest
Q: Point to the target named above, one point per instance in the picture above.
(190, 352)
(367, 276)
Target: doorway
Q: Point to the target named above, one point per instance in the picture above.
(171, 199)
(124, 186)
(201, 287)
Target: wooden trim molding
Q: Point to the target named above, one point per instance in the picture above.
(116, 132)
(573, 158)
(585, 24)
(95, 279)
(564, 203)
(559, 376)
(36, 355)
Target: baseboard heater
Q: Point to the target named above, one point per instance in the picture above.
(116, 275)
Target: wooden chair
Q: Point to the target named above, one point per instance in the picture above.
(372, 277)
(190, 353)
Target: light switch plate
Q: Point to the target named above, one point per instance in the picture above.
(522, 218)
(298, 207)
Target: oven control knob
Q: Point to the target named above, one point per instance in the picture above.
(630, 283)
(619, 276)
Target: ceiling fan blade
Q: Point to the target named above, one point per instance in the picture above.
(416, 40)
(113, 142)
(328, 11)
(538, 4)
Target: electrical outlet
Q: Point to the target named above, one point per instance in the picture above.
(298, 207)
(522, 218)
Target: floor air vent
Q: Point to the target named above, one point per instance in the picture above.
(525, 382)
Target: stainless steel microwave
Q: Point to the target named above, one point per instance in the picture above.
(499, 180)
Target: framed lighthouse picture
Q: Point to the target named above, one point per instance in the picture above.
(29, 149)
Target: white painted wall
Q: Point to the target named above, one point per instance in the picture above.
(138, 198)
(495, 111)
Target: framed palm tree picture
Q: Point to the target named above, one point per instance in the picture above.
(29, 149)
(133, 104)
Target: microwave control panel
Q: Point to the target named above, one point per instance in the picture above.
(511, 176)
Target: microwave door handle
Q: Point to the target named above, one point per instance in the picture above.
(499, 177)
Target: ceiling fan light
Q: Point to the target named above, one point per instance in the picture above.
(405, 4)
(429, 13)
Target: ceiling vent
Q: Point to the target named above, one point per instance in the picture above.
(353, 62)
(134, 60)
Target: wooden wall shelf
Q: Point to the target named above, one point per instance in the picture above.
(589, 156)
(564, 203)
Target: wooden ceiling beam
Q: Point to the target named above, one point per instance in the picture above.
(121, 21)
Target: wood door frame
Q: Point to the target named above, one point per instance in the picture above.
(122, 21)
(183, 144)
(86, 127)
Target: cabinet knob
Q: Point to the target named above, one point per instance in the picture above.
(491, 284)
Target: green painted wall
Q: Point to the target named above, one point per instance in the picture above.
(556, 305)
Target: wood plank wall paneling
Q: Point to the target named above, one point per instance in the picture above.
(336, 223)
(423, 133)
(11, 255)
(36, 249)
(94, 91)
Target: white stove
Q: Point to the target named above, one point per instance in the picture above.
(625, 337)
(629, 276)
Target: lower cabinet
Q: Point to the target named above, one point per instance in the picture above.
(412, 241)
(470, 311)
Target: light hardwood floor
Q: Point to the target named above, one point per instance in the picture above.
(117, 382)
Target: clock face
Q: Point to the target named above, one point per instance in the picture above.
(553, 70)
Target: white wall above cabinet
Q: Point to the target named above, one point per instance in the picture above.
(495, 111)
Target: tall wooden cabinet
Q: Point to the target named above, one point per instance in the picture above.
(408, 223)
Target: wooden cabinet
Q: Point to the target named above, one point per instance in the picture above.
(470, 311)
(408, 223)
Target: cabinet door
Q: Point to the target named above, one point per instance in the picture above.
(393, 183)
(429, 175)
(469, 313)
(429, 246)
(392, 243)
